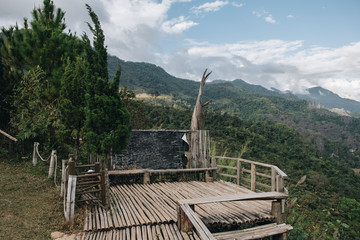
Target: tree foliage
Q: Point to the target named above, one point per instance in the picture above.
(107, 121)
(57, 87)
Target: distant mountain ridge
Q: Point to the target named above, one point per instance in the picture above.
(145, 77)
(330, 99)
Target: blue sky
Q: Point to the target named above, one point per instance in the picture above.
(285, 44)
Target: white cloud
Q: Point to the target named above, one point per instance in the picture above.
(285, 65)
(177, 25)
(290, 16)
(238, 4)
(134, 28)
(210, 6)
(265, 15)
(270, 19)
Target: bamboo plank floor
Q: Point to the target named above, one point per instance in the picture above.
(148, 211)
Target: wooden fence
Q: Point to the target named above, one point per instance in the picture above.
(188, 220)
(253, 175)
(83, 183)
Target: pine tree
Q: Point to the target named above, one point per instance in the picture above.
(41, 43)
(72, 104)
(107, 121)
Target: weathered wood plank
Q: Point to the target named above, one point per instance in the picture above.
(200, 227)
(227, 175)
(280, 172)
(236, 197)
(254, 233)
(245, 160)
(8, 135)
(224, 166)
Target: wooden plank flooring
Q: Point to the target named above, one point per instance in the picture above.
(148, 211)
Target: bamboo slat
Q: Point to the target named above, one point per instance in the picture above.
(148, 211)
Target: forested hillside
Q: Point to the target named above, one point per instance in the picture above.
(325, 206)
(252, 122)
(332, 134)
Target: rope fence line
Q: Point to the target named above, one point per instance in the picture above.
(52, 157)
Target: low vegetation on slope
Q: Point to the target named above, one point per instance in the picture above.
(30, 206)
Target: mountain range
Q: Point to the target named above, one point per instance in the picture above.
(144, 77)
(309, 114)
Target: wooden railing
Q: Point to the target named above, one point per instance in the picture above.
(189, 221)
(251, 174)
(80, 185)
(146, 174)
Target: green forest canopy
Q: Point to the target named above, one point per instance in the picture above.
(56, 86)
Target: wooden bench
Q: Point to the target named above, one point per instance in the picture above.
(188, 219)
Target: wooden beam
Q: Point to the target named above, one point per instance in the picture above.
(280, 172)
(263, 231)
(276, 211)
(273, 179)
(245, 160)
(199, 226)
(8, 135)
(253, 177)
(235, 197)
(238, 172)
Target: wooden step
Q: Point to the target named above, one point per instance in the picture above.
(255, 232)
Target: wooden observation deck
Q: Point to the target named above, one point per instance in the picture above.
(195, 209)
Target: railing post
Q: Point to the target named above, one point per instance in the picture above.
(146, 178)
(238, 172)
(71, 191)
(253, 177)
(72, 167)
(103, 189)
(276, 211)
(97, 167)
(34, 160)
(53, 160)
(273, 179)
(279, 184)
(213, 165)
(63, 177)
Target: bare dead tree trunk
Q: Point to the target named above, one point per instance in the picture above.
(197, 123)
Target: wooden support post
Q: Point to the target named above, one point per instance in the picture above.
(253, 177)
(279, 184)
(63, 177)
(273, 179)
(97, 167)
(72, 167)
(70, 199)
(146, 178)
(52, 163)
(184, 223)
(103, 189)
(213, 165)
(34, 160)
(276, 211)
(238, 172)
(208, 177)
